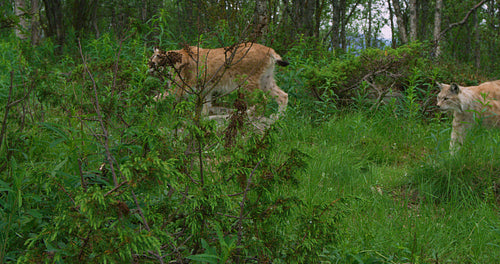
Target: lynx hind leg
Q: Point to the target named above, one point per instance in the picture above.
(281, 98)
(267, 83)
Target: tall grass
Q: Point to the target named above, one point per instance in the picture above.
(403, 197)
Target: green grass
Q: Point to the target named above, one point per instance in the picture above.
(403, 197)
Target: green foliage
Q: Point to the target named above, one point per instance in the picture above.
(344, 74)
(93, 170)
(106, 174)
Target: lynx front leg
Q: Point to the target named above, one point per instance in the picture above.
(457, 136)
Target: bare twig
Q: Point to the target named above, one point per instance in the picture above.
(116, 188)
(66, 192)
(235, 194)
(11, 104)
(7, 108)
(97, 108)
(452, 25)
(80, 170)
(85, 243)
(243, 200)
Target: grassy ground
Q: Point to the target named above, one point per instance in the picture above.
(402, 197)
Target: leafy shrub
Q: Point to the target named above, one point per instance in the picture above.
(106, 174)
(344, 75)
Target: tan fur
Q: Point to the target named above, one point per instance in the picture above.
(470, 104)
(222, 70)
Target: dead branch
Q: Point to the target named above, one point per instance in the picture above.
(97, 108)
(116, 188)
(7, 109)
(452, 25)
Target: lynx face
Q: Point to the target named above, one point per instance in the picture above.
(448, 99)
(161, 58)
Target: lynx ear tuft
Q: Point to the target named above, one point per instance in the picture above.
(454, 88)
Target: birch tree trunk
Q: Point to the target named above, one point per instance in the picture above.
(413, 20)
(437, 27)
(22, 26)
(260, 21)
(400, 21)
(320, 5)
(35, 22)
(336, 22)
(303, 14)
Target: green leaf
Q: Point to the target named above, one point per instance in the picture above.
(4, 187)
(212, 259)
(54, 128)
(58, 167)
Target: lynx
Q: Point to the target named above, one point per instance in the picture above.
(221, 71)
(470, 105)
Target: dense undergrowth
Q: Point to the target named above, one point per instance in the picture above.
(94, 170)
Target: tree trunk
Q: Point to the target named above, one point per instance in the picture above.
(55, 27)
(391, 19)
(368, 33)
(336, 20)
(35, 22)
(260, 21)
(494, 39)
(320, 4)
(477, 41)
(437, 27)
(343, 19)
(303, 15)
(144, 11)
(413, 20)
(22, 26)
(84, 15)
(400, 21)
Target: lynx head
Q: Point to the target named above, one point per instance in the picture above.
(161, 58)
(447, 98)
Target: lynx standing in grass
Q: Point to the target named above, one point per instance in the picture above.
(470, 105)
(222, 70)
